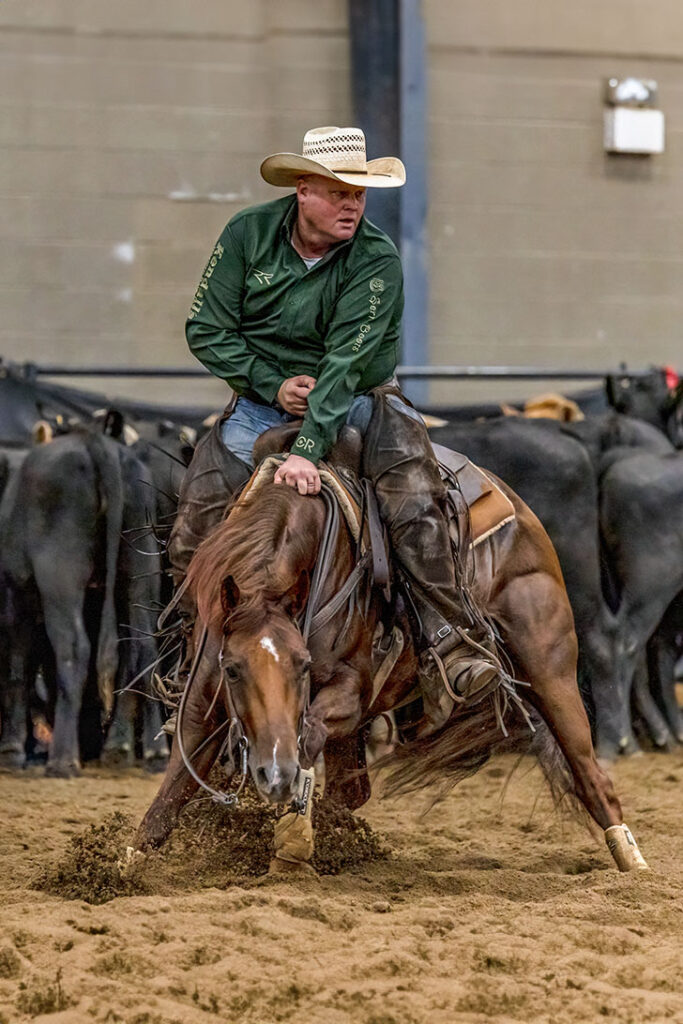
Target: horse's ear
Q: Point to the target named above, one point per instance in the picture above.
(230, 594)
(298, 595)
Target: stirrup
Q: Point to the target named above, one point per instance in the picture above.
(475, 665)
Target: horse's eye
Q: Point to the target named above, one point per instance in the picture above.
(304, 666)
(232, 673)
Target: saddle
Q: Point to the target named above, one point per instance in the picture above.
(474, 494)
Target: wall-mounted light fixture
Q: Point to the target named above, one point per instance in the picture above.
(632, 124)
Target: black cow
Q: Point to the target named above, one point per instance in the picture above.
(656, 398)
(59, 535)
(61, 554)
(138, 602)
(641, 515)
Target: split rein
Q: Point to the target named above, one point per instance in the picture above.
(312, 619)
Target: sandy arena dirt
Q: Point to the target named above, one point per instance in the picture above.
(488, 909)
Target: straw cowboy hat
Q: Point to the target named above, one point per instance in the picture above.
(337, 153)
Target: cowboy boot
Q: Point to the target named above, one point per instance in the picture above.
(458, 664)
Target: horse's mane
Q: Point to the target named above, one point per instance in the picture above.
(262, 545)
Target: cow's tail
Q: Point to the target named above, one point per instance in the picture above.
(108, 468)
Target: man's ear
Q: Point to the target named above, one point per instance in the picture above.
(230, 595)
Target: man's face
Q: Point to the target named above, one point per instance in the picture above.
(330, 208)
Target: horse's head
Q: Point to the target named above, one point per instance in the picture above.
(265, 665)
(251, 578)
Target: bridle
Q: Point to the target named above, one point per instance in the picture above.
(309, 621)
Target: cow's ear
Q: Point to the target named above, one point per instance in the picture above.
(297, 596)
(230, 594)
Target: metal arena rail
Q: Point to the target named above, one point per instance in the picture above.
(30, 371)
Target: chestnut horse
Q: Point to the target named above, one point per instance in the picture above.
(292, 699)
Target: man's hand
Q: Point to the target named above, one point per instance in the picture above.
(300, 473)
(293, 394)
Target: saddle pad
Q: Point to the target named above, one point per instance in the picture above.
(266, 470)
(489, 508)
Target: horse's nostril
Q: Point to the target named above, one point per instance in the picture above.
(277, 781)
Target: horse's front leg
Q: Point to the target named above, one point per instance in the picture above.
(335, 713)
(333, 722)
(178, 785)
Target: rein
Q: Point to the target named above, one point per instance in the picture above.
(220, 797)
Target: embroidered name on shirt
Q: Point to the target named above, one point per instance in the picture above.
(262, 277)
(304, 442)
(198, 300)
(376, 285)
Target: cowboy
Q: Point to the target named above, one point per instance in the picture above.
(298, 311)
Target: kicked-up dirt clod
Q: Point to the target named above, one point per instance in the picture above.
(213, 845)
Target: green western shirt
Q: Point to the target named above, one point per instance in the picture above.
(260, 316)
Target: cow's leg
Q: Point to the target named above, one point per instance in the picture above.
(14, 712)
(63, 610)
(178, 785)
(646, 707)
(664, 655)
(612, 722)
(636, 629)
(119, 746)
(154, 742)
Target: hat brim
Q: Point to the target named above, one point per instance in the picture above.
(285, 169)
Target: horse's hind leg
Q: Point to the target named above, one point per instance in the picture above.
(178, 785)
(536, 617)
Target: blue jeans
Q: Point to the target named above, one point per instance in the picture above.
(249, 420)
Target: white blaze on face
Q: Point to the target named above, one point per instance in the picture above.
(268, 645)
(276, 766)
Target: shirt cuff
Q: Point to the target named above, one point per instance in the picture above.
(308, 444)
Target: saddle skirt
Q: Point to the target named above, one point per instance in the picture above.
(488, 507)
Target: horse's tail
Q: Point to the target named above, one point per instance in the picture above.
(463, 745)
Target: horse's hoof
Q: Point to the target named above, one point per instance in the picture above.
(62, 770)
(291, 868)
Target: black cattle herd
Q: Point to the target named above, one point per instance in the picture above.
(83, 576)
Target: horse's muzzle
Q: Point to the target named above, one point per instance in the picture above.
(277, 780)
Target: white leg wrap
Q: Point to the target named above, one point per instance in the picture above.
(624, 848)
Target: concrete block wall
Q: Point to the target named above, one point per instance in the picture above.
(543, 250)
(130, 133)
